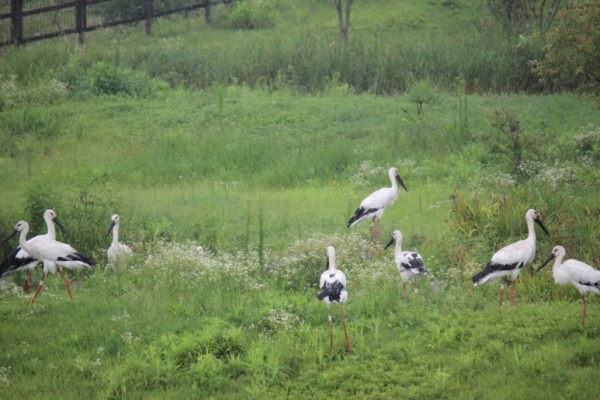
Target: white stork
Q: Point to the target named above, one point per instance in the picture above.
(117, 252)
(409, 263)
(333, 290)
(55, 255)
(373, 206)
(510, 260)
(584, 277)
(20, 260)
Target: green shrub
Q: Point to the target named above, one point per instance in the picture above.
(104, 78)
(587, 142)
(252, 14)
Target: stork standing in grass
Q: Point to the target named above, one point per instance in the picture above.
(510, 260)
(584, 277)
(373, 206)
(53, 254)
(117, 252)
(333, 290)
(409, 263)
(20, 260)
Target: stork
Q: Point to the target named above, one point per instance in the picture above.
(510, 260)
(584, 277)
(117, 252)
(333, 290)
(53, 254)
(373, 206)
(20, 260)
(409, 263)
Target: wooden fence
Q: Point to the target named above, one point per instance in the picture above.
(69, 17)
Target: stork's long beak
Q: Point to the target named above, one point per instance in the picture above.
(539, 222)
(112, 224)
(399, 180)
(546, 262)
(10, 235)
(61, 227)
(391, 242)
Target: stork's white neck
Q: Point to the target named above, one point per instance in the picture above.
(23, 239)
(530, 229)
(51, 228)
(393, 179)
(115, 234)
(557, 262)
(398, 246)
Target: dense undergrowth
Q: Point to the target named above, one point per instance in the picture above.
(235, 157)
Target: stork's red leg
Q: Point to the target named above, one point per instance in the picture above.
(330, 326)
(66, 283)
(348, 348)
(512, 292)
(39, 288)
(584, 311)
(501, 295)
(28, 281)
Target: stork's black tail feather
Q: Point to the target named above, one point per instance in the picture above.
(12, 262)
(357, 214)
(360, 213)
(332, 291)
(78, 257)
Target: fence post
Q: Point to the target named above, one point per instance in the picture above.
(16, 27)
(207, 11)
(149, 13)
(80, 19)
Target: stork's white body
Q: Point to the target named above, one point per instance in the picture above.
(584, 277)
(328, 279)
(53, 254)
(20, 260)
(333, 290)
(409, 263)
(374, 205)
(510, 260)
(117, 253)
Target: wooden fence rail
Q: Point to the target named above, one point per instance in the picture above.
(80, 14)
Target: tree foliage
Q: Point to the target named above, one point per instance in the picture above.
(572, 52)
(525, 16)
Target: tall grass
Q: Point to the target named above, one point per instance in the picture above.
(381, 58)
(229, 195)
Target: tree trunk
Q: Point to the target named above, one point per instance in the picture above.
(207, 11)
(344, 24)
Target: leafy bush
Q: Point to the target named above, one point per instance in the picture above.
(110, 79)
(45, 93)
(252, 14)
(572, 54)
(587, 142)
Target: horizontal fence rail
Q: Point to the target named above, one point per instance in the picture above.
(23, 25)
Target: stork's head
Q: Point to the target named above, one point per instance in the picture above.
(557, 252)
(114, 221)
(396, 238)
(395, 175)
(51, 215)
(533, 214)
(20, 227)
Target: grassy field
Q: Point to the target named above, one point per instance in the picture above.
(235, 157)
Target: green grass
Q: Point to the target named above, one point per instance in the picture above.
(258, 146)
